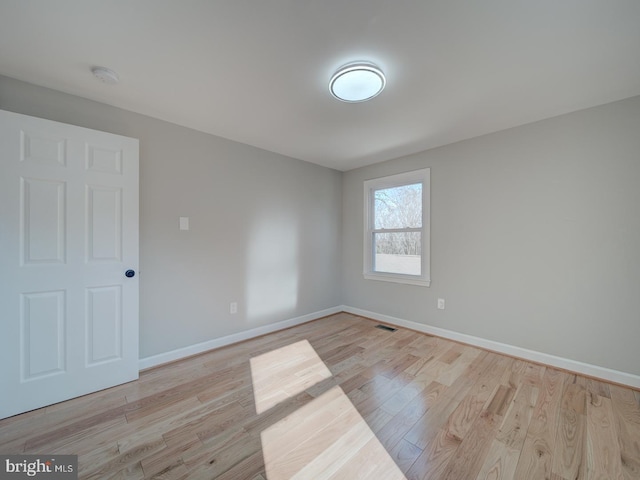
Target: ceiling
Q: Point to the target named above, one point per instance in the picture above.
(256, 71)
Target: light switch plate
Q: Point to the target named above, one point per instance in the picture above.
(184, 223)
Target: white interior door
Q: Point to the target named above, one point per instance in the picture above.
(68, 234)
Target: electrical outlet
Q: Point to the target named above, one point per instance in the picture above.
(233, 307)
(441, 304)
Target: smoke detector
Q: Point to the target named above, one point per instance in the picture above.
(105, 75)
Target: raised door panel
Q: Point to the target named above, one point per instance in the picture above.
(42, 346)
(104, 224)
(43, 148)
(103, 159)
(42, 221)
(104, 324)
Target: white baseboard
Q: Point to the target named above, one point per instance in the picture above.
(590, 370)
(179, 353)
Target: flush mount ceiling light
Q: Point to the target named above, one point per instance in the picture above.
(105, 75)
(357, 82)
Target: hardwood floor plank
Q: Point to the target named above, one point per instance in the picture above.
(399, 365)
(377, 420)
(341, 353)
(376, 394)
(258, 423)
(568, 460)
(97, 455)
(571, 431)
(312, 420)
(355, 383)
(465, 415)
(370, 461)
(458, 366)
(423, 431)
(432, 462)
(326, 463)
(452, 354)
(343, 400)
(404, 421)
(525, 372)
(132, 471)
(240, 391)
(574, 397)
(220, 461)
(128, 462)
(598, 388)
(626, 412)
(168, 461)
(469, 457)
(406, 394)
(90, 444)
(501, 399)
(536, 456)
(515, 423)
(250, 467)
(500, 462)
(215, 422)
(397, 428)
(201, 454)
(81, 431)
(37, 425)
(350, 428)
(171, 470)
(417, 366)
(404, 454)
(164, 412)
(603, 450)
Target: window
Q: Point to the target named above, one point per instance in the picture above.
(396, 237)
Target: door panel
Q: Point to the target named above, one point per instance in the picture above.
(104, 324)
(104, 224)
(43, 323)
(68, 233)
(42, 218)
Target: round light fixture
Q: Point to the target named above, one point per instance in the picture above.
(357, 82)
(105, 75)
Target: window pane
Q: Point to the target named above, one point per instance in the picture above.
(398, 207)
(398, 252)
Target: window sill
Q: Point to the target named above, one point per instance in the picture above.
(397, 279)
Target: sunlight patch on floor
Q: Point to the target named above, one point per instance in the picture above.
(283, 373)
(325, 439)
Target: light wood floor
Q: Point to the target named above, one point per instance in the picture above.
(338, 398)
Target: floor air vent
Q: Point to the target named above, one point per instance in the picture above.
(388, 329)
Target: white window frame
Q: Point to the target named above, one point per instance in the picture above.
(422, 176)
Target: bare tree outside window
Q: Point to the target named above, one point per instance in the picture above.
(397, 229)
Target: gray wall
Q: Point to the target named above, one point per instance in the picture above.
(535, 237)
(535, 232)
(265, 229)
